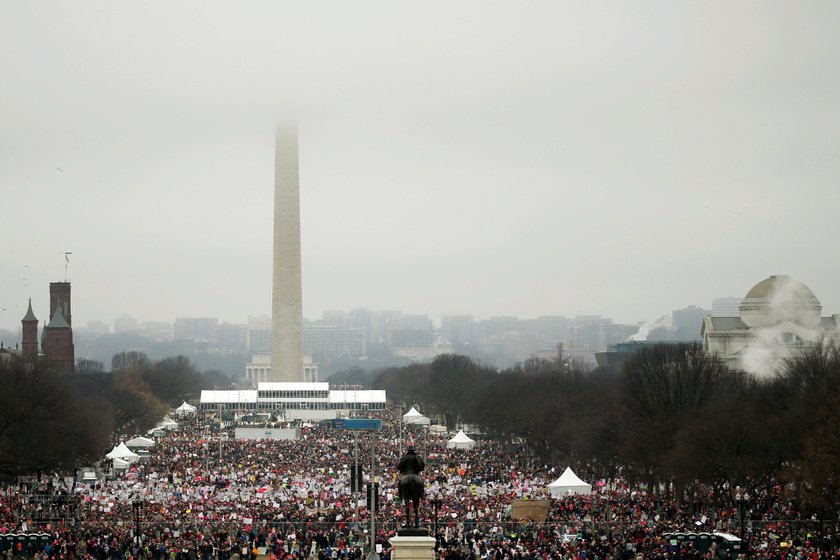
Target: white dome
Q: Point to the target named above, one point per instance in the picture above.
(780, 298)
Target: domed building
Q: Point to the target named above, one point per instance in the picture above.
(778, 316)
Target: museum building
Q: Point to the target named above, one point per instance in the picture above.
(778, 317)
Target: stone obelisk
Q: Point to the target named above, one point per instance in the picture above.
(287, 307)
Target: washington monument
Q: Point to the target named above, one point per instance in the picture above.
(287, 307)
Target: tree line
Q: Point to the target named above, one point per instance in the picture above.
(55, 423)
(672, 416)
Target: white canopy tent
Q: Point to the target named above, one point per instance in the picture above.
(185, 409)
(140, 442)
(167, 423)
(120, 464)
(460, 441)
(568, 485)
(412, 416)
(121, 451)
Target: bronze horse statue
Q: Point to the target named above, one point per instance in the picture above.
(411, 487)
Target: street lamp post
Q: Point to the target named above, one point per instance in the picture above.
(372, 555)
(221, 427)
(693, 497)
(742, 499)
(651, 486)
(698, 503)
(137, 506)
(358, 478)
(437, 502)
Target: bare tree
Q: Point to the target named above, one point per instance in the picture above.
(44, 423)
(173, 379)
(86, 366)
(662, 389)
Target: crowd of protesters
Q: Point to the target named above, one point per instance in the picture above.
(202, 494)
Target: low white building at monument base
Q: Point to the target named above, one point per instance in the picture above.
(259, 369)
(295, 400)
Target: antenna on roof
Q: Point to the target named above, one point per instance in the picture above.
(66, 264)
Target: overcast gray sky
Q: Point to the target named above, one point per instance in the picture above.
(613, 158)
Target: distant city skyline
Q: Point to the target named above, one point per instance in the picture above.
(480, 158)
(729, 303)
(82, 321)
(360, 337)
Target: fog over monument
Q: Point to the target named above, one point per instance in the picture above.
(472, 159)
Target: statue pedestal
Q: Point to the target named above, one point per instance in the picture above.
(412, 547)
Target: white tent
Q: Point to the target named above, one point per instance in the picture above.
(120, 464)
(437, 429)
(185, 409)
(167, 423)
(568, 484)
(122, 452)
(460, 441)
(140, 442)
(412, 415)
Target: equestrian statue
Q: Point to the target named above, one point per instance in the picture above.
(411, 488)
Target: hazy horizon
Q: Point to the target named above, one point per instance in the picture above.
(481, 158)
(436, 319)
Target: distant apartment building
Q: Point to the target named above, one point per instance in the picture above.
(328, 342)
(409, 331)
(507, 348)
(201, 329)
(409, 321)
(259, 335)
(589, 336)
(336, 318)
(232, 336)
(554, 328)
(505, 340)
(593, 334)
(458, 329)
(501, 325)
(620, 333)
(125, 323)
(687, 323)
(159, 331)
(92, 329)
(368, 320)
(411, 338)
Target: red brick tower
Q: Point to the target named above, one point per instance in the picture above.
(29, 343)
(57, 343)
(60, 297)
